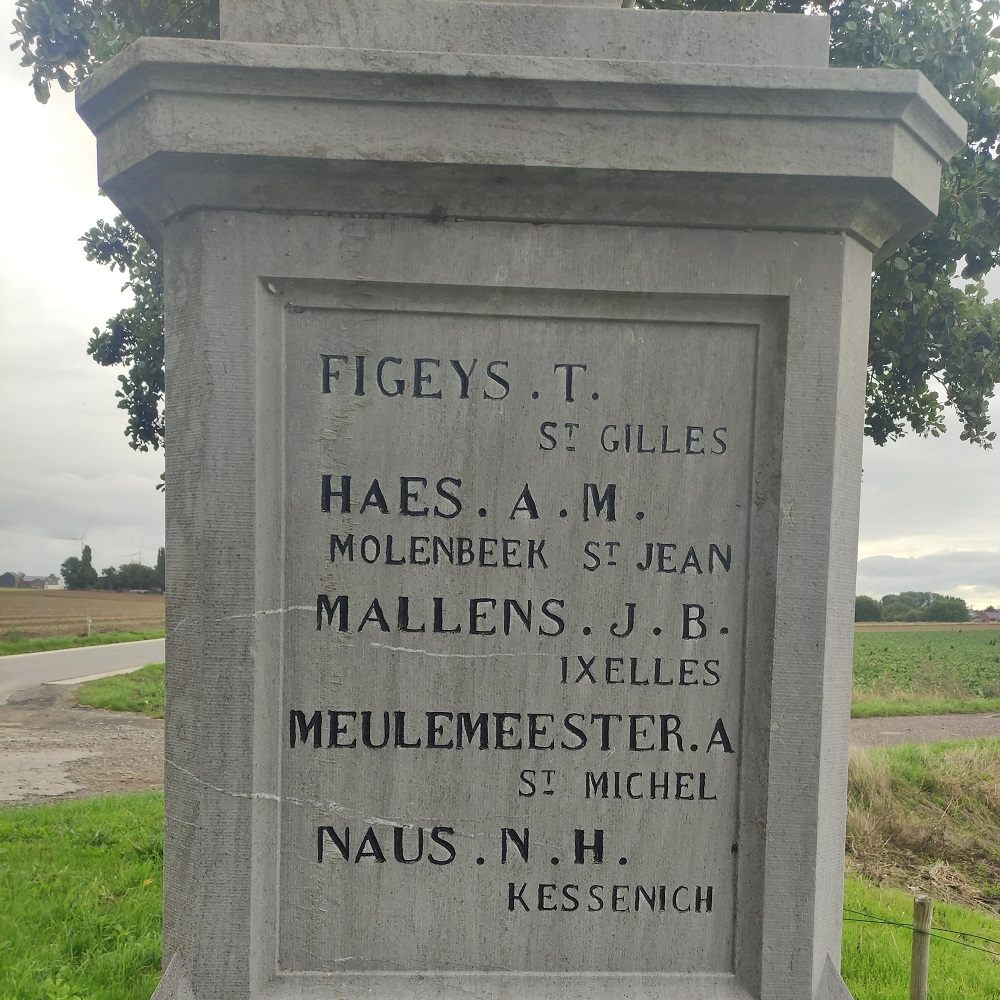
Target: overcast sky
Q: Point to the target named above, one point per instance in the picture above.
(930, 515)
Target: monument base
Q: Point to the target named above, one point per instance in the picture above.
(516, 364)
(175, 986)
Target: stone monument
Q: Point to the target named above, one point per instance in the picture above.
(516, 365)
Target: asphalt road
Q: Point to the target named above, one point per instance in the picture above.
(31, 669)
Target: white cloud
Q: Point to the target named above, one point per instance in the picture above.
(929, 502)
(972, 575)
(67, 467)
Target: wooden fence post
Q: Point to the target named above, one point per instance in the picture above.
(920, 952)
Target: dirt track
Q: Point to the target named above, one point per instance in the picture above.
(922, 729)
(51, 748)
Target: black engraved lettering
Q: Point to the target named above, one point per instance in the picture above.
(600, 502)
(329, 372)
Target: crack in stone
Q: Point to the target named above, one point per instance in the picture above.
(421, 822)
(265, 612)
(449, 656)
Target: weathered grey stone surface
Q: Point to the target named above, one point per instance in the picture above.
(582, 29)
(387, 264)
(303, 128)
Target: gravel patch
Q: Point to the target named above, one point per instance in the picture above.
(50, 748)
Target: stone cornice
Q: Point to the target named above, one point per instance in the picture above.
(306, 128)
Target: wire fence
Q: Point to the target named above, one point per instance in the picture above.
(939, 932)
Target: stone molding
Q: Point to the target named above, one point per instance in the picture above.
(187, 124)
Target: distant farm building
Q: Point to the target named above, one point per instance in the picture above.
(50, 582)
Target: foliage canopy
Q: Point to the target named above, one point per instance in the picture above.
(934, 338)
(911, 606)
(867, 609)
(79, 573)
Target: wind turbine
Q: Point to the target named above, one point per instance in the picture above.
(82, 539)
(137, 555)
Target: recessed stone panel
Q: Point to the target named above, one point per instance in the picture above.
(519, 700)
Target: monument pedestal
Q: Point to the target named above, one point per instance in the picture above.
(516, 364)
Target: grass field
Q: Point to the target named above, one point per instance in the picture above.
(140, 691)
(928, 816)
(81, 881)
(875, 956)
(81, 887)
(920, 671)
(13, 647)
(49, 614)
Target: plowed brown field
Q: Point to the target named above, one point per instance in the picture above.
(31, 613)
(926, 627)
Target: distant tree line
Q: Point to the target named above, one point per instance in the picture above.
(79, 574)
(911, 606)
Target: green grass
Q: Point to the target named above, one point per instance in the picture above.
(139, 691)
(879, 708)
(928, 816)
(876, 958)
(11, 643)
(81, 886)
(926, 672)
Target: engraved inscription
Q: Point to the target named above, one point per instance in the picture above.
(519, 700)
